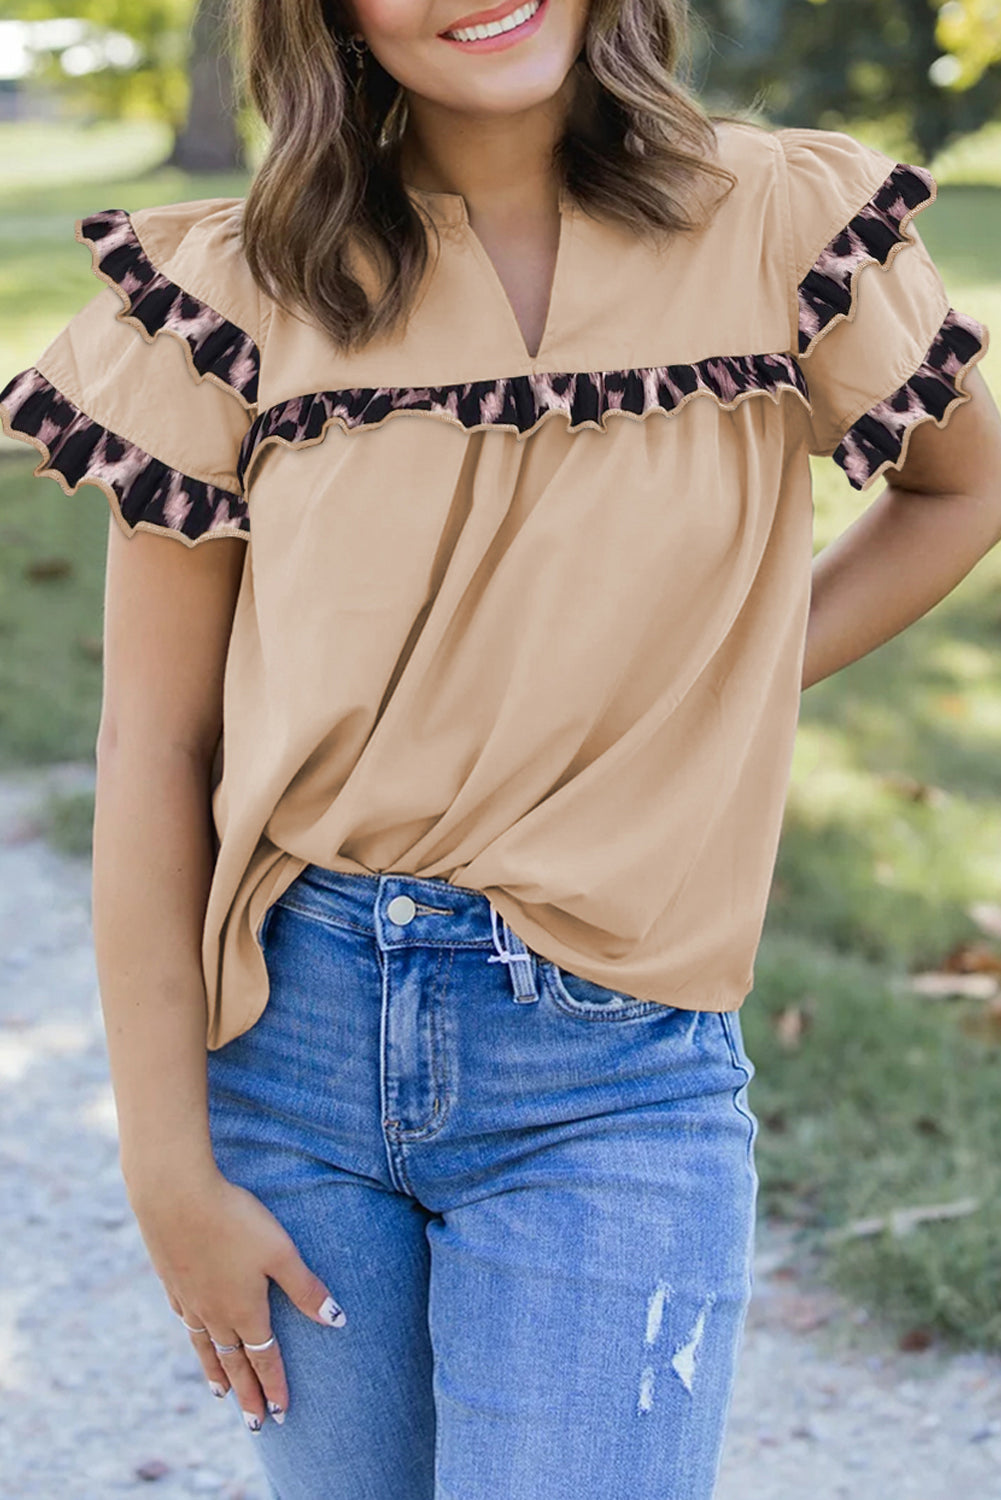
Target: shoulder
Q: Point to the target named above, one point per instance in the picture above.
(179, 268)
(824, 173)
(751, 151)
(833, 155)
(837, 184)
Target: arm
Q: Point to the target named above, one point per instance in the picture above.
(167, 620)
(919, 538)
(168, 617)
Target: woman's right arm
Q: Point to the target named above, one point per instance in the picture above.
(168, 615)
(168, 612)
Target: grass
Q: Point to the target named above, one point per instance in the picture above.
(45, 275)
(53, 547)
(871, 1096)
(887, 1101)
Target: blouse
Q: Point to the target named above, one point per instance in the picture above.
(532, 625)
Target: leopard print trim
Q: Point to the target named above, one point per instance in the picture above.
(146, 493)
(218, 348)
(827, 291)
(521, 402)
(878, 440)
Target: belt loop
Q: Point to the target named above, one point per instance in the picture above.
(512, 951)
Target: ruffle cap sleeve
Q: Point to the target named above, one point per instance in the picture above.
(149, 391)
(878, 340)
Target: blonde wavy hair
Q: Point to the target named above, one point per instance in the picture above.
(638, 145)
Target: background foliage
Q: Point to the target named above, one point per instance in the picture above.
(933, 69)
(156, 86)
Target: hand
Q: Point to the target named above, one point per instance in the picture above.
(214, 1245)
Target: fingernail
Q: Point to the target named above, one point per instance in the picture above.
(278, 1412)
(216, 1388)
(252, 1420)
(332, 1314)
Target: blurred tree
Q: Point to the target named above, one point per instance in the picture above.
(823, 62)
(209, 140)
(150, 82)
(178, 70)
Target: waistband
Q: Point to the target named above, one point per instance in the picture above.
(415, 911)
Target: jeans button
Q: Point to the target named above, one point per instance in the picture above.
(401, 910)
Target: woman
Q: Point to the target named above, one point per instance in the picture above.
(496, 398)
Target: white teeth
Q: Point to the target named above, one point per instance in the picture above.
(496, 28)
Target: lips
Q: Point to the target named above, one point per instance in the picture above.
(484, 17)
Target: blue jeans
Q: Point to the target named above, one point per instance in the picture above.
(533, 1197)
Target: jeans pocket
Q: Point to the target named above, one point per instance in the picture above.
(291, 899)
(262, 931)
(585, 1000)
(732, 1030)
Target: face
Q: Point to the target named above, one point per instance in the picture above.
(497, 75)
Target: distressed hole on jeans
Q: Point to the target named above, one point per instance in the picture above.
(683, 1359)
(646, 1388)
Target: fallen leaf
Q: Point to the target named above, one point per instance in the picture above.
(972, 958)
(915, 1339)
(45, 569)
(153, 1468)
(790, 1024)
(914, 790)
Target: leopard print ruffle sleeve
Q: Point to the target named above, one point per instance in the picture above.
(149, 391)
(880, 346)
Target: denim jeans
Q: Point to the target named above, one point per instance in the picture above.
(533, 1197)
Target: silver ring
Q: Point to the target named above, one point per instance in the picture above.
(226, 1348)
(194, 1330)
(257, 1347)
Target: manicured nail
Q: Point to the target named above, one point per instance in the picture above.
(278, 1412)
(216, 1388)
(252, 1420)
(332, 1314)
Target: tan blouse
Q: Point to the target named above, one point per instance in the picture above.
(532, 626)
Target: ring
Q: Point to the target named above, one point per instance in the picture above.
(225, 1348)
(256, 1347)
(194, 1330)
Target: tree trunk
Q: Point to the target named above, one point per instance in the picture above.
(209, 142)
(933, 109)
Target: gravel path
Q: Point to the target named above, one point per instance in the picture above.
(825, 1407)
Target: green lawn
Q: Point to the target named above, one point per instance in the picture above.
(52, 553)
(871, 1097)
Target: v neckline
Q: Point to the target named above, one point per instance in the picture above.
(552, 303)
(453, 209)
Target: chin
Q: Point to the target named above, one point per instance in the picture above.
(508, 95)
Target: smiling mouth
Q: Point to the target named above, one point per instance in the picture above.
(516, 21)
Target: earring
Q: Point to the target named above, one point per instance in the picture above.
(356, 47)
